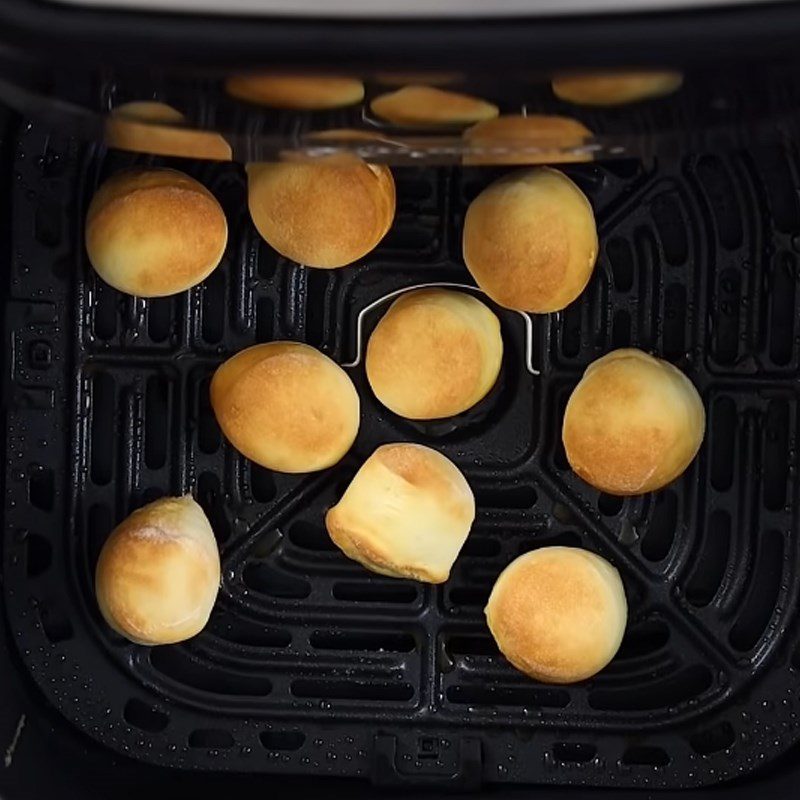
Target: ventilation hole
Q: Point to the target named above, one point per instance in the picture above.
(41, 487)
(571, 330)
(645, 756)
(102, 443)
(358, 640)
(505, 496)
(105, 311)
(660, 532)
(725, 324)
(471, 646)
(709, 566)
(308, 536)
(508, 696)
(762, 594)
(282, 740)
(100, 522)
(685, 684)
(144, 717)
(267, 260)
(316, 305)
(723, 443)
(210, 498)
(609, 505)
(479, 547)
(272, 582)
(242, 631)
(55, 624)
(214, 307)
(156, 419)
(413, 190)
(671, 228)
(209, 436)
(559, 453)
(674, 331)
(643, 639)
(777, 181)
(796, 657)
(721, 195)
(159, 318)
(562, 539)
(47, 223)
(414, 237)
(621, 258)
(783, 315)
(212, 738)
(776, 454)
(621, 330)
(262, 484)
(351, 690)
(713, 740)
(573, 752)
(368, 592)
(175, 663)
(264, 320)
(38, 555)
(469, 595)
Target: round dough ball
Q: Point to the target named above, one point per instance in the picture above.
(321, 214)
(286, 406)
(158, 573)
(424, 105)
(558, 614)
(633, 424)
(530, 240)
(150, 127)
(435, 353)
(154, 232)
(615, 88)
(298, 92)
(534, 139)
(406, 513)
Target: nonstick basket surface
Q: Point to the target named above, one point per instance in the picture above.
(312, 665)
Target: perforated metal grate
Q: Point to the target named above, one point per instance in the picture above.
(310, 664)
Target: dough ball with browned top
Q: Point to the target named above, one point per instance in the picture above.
(297, 92)
(435, 353)
(154, 232)
(425, 105)
(406, 513)
(558, 614)
(286, 406)
(615, 88)
(158, 573)
(530, 240)
(633, 424)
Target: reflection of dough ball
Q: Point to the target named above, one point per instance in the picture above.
(286, 406)
(530, 240)
(154, 232)
(435, 353)
(158, 573)
(150, 127)
(614, 88)
(535, 139)
(299, 92)
(424, 105)
(558, 614)
(321, 214)
(406, 513)
(633, 423)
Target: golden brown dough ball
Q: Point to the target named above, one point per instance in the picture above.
(425, 105)
(435, 353)
(154, 232)
(533, 139)
(558, 614)
(530, 240)
(298, 92)
(615, 88)
(633, 424)
(323, 214)
(406, 513)
(158, 573)
(286, 406)
(151, 127)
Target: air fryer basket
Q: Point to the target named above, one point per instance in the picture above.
(311, 665)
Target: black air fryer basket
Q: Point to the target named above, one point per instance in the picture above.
(312, 669)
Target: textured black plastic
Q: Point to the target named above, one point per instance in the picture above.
(310, 664)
